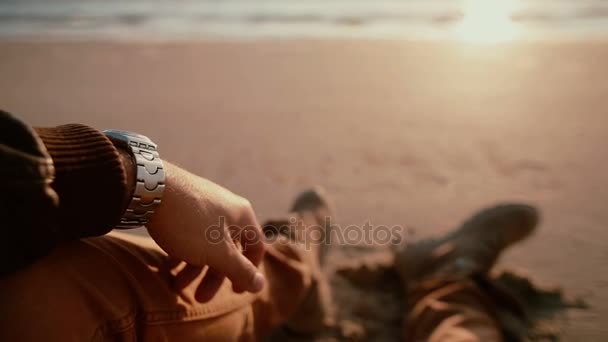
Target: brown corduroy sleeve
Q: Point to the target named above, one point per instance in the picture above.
(90, 180)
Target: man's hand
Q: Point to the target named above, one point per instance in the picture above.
(204, 224)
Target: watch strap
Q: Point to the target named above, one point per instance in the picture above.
(150, 178)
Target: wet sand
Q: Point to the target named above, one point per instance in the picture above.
(416, 134)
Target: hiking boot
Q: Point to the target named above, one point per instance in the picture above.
(314, 203)
(471, 249)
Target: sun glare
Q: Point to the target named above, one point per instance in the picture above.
(487, 21)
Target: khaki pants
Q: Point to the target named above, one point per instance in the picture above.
(454, 311)
(118, 287)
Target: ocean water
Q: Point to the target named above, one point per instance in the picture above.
(475, 20)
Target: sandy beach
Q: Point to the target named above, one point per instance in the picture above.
(410, 133)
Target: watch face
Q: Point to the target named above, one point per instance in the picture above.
(123, 135)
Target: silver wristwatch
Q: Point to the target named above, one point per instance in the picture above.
(150, 182)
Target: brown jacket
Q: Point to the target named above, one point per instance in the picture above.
(56, 184)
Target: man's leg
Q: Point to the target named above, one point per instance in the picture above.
(120, 287)
(445, 302)
(455, 311)
(307, 227)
